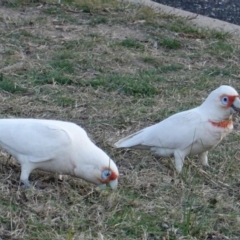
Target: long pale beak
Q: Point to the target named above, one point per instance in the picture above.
(102, 186)
(235, 106)
(114, 184)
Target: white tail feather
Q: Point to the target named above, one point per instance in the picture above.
(134, 140)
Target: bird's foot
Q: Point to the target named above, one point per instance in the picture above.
(209, 168)
(25, 185)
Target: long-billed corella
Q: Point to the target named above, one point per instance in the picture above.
(189, 132)
(56, 146)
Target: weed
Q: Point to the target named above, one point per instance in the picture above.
(62, 65)
(53, 11)
(86, 8)
(51, 77)
(99, 20)
(131, 43)
(151, 60)
(64, 101)
(221, 48)
(170, 43)
(216, 71)
(10, 86)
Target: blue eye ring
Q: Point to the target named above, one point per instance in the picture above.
(106, 174)
(225, 100)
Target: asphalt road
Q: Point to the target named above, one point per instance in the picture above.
(226, 10)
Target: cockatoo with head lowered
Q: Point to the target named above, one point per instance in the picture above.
(56, 146)
(189, 132)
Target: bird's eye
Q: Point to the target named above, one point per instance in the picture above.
(224, 100)
(106, 174)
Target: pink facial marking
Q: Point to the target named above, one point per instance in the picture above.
(113, 176)
(231, 99)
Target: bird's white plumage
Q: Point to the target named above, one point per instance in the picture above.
(188, 132)
(52, 138)
(174, 126)
(55, 146)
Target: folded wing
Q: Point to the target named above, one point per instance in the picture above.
(177, 131)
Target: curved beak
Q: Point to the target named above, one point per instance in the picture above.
(114, 184)
(235, 106)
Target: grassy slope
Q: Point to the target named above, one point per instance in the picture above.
(115, 68)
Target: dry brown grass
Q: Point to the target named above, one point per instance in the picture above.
(114, 68)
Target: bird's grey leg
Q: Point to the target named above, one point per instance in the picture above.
(179, 160)
(25, 171)
(203, 158)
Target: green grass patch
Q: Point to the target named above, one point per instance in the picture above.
(130, 85)
(53, 10)
(10, 85)
(223, 72)
(61, 14)
(85, 8)
(19, 3)
(180, 25)
(221, 48)
(80, 44)
(170, 43)
(50, 77)
(170, 68)
(144, 83)
(63, 66)
(150, 60)
(99, 20)
(138, 222)
(64, 101)
(131, 43)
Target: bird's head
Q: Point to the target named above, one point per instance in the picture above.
(222, 103)
(98, 168)
(108, 175)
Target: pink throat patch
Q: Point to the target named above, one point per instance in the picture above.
(223, 124)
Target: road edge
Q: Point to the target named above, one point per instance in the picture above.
(195, 19)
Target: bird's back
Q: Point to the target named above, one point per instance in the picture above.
(40, 139)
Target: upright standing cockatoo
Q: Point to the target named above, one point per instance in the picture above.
(56, 146)
(190, 132)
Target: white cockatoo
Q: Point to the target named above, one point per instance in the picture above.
(56, 146)
(190, 132)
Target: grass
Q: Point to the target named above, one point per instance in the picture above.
(170, 43)
(115, 68)
(129, 85)
(131, 43)
(10, 86)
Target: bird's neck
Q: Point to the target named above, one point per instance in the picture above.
(222, 124)
(219, 116)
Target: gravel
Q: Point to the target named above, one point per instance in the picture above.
(226, 10)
